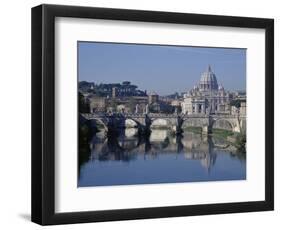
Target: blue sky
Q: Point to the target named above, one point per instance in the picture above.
(163, 69)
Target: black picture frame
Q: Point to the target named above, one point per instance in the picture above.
(43, 114)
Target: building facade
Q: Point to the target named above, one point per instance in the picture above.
(208, 97)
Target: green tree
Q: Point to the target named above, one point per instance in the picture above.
(84, 106)
(241, 143)
(236, 103)
(85, 135)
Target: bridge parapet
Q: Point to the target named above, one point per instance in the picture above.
(206, 121)
(163, 116)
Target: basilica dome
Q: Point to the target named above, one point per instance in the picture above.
(208, 81)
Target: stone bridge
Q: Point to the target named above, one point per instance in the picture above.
(207, 122)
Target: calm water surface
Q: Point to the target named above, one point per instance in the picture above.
(159, 158)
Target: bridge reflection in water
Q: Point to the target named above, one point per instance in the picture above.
(159, 158)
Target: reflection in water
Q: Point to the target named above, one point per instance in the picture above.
(159, 158)
(131, 132)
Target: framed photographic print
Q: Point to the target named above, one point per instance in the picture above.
(142, 114)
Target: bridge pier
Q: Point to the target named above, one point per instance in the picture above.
(206, 130)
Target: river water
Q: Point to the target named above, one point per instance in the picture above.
(159, 158)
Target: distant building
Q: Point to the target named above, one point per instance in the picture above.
(97, 104)
(176, 102)
(120, 90)
(126, 89)
(153, 98)
(243, 108)
(206, 97)
(113, 92)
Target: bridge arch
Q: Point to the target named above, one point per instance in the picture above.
(160, 123)
(99, 124)
(195, 122)
(222, 123)
(131, 123)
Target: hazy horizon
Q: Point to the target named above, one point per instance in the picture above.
(159, 68)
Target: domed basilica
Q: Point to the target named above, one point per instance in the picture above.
(208, 97)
